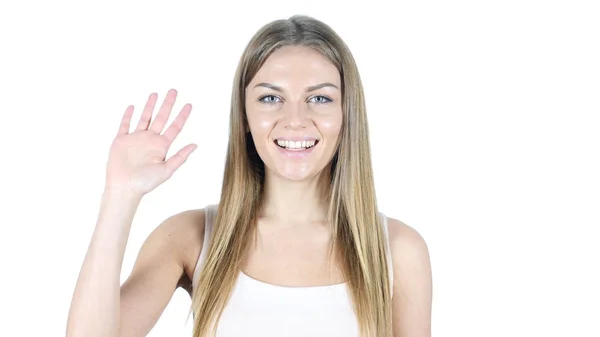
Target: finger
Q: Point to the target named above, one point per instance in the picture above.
(147, 113)
(173, 163)
(165, 111)
(126, 121)
(175, 127)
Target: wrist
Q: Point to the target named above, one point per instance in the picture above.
(123, 193)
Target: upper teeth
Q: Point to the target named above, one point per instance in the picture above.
(290, 144)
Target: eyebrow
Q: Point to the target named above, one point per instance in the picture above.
(309, 89)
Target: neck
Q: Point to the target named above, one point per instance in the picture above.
(293, 202)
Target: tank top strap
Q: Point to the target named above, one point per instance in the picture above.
(209, 215)
(388, 250)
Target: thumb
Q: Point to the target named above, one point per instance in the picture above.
(173, 163)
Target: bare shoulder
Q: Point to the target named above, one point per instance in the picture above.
(411, 265)
(185, 233)
(163, 265)
(406, 243)
(410, 254)
(187, 227)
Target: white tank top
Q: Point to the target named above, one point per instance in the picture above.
(259, 309)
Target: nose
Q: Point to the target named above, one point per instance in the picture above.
(296, 116)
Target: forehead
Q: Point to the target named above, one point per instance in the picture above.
(297, 65)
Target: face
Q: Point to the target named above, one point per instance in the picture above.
(294, 110)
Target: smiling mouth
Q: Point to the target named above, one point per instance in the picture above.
(299, 145)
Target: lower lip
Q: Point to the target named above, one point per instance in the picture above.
(295, 153)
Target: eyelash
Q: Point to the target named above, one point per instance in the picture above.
(260, 99)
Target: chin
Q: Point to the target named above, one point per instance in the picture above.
(296, 173)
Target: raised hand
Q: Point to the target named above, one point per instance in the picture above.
(137, 160)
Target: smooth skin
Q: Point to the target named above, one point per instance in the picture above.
(137, 165)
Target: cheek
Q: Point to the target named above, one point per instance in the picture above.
(260, 122)
(330, 126)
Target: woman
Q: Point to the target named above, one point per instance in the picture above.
(296, 245)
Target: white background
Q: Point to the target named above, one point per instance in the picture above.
(484, 120)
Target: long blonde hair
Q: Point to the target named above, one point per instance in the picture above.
(353, 214)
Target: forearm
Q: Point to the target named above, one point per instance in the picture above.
(96, 300)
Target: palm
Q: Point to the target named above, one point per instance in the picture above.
(137, 160)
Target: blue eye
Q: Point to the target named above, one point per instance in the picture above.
(321, 99)
(271, 99)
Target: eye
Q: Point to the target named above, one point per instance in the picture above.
(320, 99)
(269, 99)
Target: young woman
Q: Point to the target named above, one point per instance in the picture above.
(296, 245)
